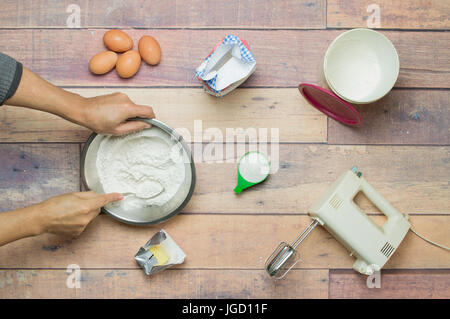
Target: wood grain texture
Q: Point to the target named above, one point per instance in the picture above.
(227, 238)
(173, 283)
(295, 14)
(303, 172)
(218, 242)
(401, 174)
(284, 57)
(402, 117)
(283, 109)
(409, 14)
(30, 173)
(22, 125)
(414, 284)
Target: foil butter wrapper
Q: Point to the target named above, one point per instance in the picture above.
(159, 253)
(226, 67)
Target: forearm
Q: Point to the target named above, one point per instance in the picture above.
(37, 93)
(21, 223)
(107, 114)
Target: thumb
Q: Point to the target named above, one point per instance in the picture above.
(104, 199)
(131, 126)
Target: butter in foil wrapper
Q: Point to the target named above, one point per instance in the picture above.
(159, 253)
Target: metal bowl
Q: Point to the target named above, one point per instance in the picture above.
(145, 215)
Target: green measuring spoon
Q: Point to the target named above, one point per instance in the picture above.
(253, 168)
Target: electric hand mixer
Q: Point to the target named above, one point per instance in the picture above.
(336, 211)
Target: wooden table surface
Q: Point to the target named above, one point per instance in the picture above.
(402, 150)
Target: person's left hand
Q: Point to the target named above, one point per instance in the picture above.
(108, 114)
(69, 214)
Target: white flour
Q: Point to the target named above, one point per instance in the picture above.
(254, 167)
(142, 166)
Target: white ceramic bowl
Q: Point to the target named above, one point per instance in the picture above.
(361, 66)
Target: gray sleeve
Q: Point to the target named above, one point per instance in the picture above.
(10, 75)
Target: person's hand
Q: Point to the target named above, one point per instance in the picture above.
(69, 214)
(108, 114)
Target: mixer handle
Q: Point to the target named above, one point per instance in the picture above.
(378, 200)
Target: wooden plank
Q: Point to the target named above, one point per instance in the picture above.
(414, 284)
(409, 14)
(22, 125)
(173, 283)
(402, 117)
(296, 14)
(180, 108)
(30, 173)
(402, 174)
(218, 242)
(284, 57)
(301, 174)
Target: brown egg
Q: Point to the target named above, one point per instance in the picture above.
(150, 50)
(128, 64)
(117, 41)
(103, 62)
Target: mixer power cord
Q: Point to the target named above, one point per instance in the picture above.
(428, 240)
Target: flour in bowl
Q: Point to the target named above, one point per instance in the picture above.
(142, 166)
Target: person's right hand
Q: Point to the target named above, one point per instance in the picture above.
(69, 214)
